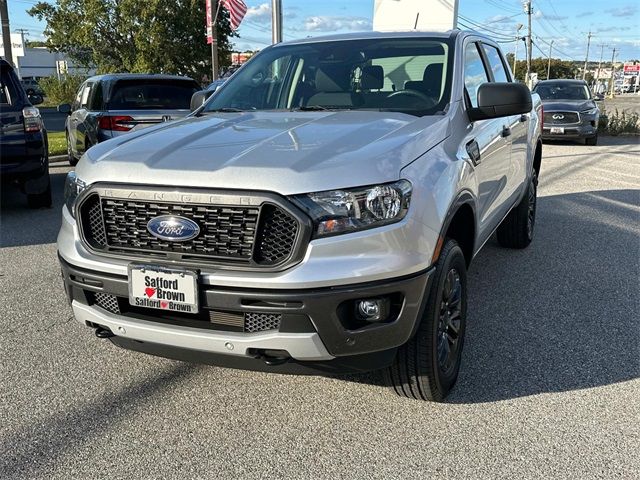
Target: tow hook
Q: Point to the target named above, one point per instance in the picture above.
(103, 332)
(271, 357)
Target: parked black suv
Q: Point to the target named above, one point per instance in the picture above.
(23, 140)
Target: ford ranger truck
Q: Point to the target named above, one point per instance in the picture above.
(317, 214)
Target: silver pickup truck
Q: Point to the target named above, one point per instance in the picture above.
(317, 214)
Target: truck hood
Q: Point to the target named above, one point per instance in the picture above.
(285, 152)
(567, 105)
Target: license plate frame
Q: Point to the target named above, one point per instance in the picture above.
(557, 130)
(180, 297)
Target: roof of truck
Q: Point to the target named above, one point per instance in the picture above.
(375, 35)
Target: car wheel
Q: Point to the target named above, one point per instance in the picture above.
(73, 161)
(427, 366)
(41, 200)
(516, 230)
(591, 140)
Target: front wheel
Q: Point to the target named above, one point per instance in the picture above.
(73, 161)
(427, 366)
(592, 141)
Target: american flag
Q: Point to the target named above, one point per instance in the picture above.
(237, 9)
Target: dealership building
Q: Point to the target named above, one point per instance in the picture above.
(38, 62)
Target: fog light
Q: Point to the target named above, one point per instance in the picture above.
(373, 309)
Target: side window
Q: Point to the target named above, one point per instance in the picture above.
(496, 63)
(5, 98)
(96, 97)
(76, 101)
(84, 99)
(474, 72)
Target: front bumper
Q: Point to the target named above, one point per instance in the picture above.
(587, 129)
(318, 325)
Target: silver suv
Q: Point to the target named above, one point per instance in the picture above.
(317, 214)
(107, 106)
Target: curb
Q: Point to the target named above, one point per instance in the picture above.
(58, 159)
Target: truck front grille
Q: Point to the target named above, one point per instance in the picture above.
(561, 118)
(264, 235)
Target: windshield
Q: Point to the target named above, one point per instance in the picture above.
(563, 92)
(405, 75)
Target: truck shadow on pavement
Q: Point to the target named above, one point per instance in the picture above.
(22, 226)
(563, 314)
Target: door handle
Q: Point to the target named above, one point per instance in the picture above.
(473, 149)
(506, 131)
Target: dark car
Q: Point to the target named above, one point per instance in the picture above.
(107, 106)
(23, 140)
(570, 111)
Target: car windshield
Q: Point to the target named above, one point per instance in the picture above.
(563, 92)
(152, 94)
(406, 75)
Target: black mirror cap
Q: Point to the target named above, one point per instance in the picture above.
(35, 99)
(198, 98)
(501, 99)
(64, 108)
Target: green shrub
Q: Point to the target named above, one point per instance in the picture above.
(617, 122)
(61, 90)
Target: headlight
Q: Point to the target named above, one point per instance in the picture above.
(343, 211)
(590, 111)
(72, 188)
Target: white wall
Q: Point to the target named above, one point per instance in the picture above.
(425, 15)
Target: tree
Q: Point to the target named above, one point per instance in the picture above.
(159, 36)
(559, 68)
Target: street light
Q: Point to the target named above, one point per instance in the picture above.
(515, 53)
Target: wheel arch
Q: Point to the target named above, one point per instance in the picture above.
(460, 225)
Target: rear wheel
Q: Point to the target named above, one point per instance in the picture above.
(427, 366)
(516, 230)
(41, 200)
(73, 161)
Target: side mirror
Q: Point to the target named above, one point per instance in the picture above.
(35, 99)
(501, 100)
(198, 98)
(64, 108)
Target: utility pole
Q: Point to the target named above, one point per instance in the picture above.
(276, 21)
(586, 60)
(6, 31)
(515, 51)
(549, 64)
(528, 9)
(600, 62)
(612, 84)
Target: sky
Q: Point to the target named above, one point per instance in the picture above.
(613, 23)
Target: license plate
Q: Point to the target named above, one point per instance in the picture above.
(557, 130)
(170, 289)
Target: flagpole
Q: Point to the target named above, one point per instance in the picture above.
(214, 43)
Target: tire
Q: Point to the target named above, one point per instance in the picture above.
(41, 200)
(516, 230)
(592, 141)
(418, 371)
(73, 161)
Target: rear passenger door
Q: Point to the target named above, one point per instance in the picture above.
(12, 136)
(517, 125)
(494, 146)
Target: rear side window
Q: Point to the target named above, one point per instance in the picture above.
(8, 93)
(84, 98)
(474, 72)
(496, 63)
(96, 97)
(151, 95)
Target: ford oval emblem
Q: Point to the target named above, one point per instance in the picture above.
(173, 228)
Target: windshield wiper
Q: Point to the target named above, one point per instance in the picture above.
(224, 110)
(310, 108)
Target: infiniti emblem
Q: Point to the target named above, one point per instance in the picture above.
(173, 228)
(558, 116)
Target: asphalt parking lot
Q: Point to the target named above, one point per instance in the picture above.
(549, 385)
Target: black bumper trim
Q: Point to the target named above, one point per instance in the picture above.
(321, 305)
